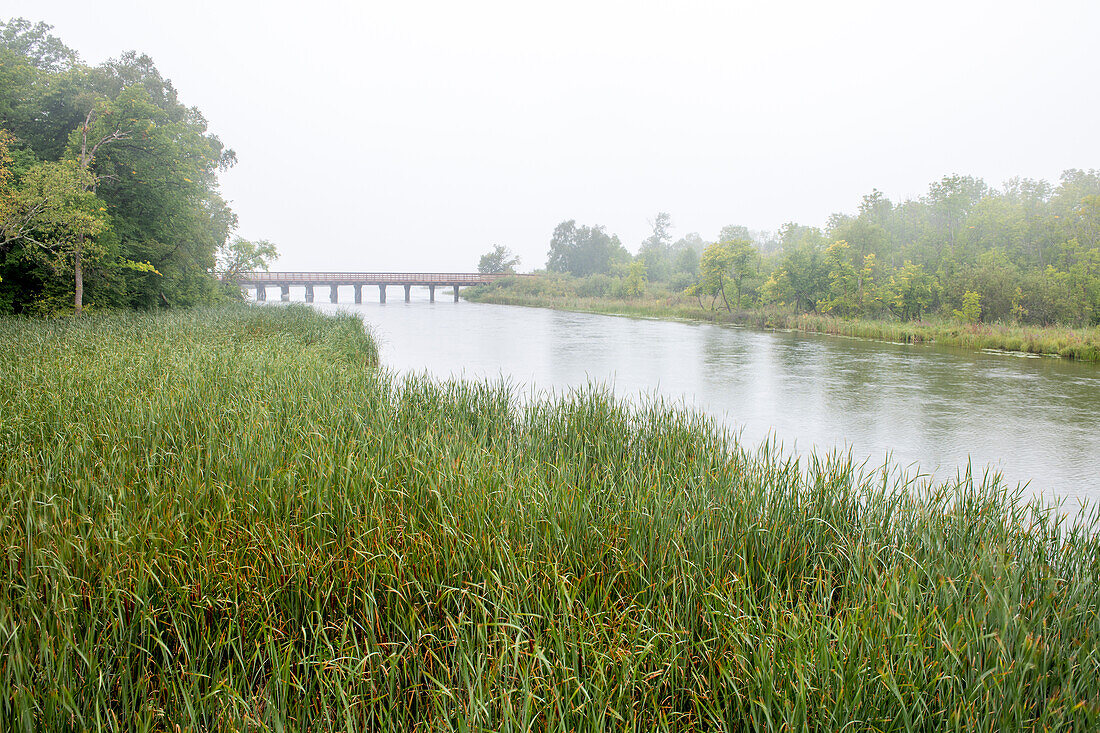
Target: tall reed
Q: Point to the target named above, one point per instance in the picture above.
(231, 520)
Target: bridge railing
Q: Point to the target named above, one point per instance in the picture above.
(427, 278)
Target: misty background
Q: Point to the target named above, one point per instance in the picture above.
(393, 136)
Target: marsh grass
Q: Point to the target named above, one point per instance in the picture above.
(231, 520)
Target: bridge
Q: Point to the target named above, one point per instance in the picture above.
(259, 281)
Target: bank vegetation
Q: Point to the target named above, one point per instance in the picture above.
(564, 292)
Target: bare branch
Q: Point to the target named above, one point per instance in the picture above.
(86, 158)
(116, 135)
(84, 138)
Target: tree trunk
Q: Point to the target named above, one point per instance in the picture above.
(86, 158)
(78, 270)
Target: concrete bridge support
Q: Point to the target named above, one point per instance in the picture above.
(456, 293)
(284, 293)
(408, 292)
(334, 294)
(261, 293)
(309, 293)
(358, 294)
(381, 293)
(431, 293)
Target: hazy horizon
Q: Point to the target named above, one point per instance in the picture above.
(388, 137)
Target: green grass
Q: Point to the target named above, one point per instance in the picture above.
(231, 520)
(1072, 343)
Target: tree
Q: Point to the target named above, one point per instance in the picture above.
(40, 78)
(743, 259)
(842, 296)
(51, 212)
(584, 250)
(35, 44)
(731, 232)
(715, 269)
(53, 215)
(241, 255)
(661, 224)
(949, 201)
(655, 251)
(971, 308)
(88, 149)
(634, 282)
(12, 218)
(686, 260)
(910, 291)
(724, 265)
(498, 260)
(161, 185)
(801, 278)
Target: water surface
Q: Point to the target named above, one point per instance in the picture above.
(1037, 420)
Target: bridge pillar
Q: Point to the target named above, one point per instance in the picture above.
(358, 293)
(456, 293)
(261, 293)
(334, 294)
(284, 293)
(309, 293)
(381, 293)
(408, 291)
(431, 293)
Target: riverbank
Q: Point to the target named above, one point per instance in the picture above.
(233, 519)
(1071, 343)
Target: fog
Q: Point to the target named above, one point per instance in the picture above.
(391, 136)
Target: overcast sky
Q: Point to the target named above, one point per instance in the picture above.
(415, 135)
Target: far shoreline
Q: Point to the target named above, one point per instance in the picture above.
(1078, 344)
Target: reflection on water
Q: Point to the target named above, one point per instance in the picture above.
(1036, 420)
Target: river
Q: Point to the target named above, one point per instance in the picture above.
(1036, 420)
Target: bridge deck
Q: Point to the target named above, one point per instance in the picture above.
(367, 278)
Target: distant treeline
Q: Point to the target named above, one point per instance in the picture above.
(1028, 252)
(108, 184)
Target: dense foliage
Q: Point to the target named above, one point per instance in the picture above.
(497, 261)
(108, 182)
(1027, 253)
(226, 520)
(584, 250)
